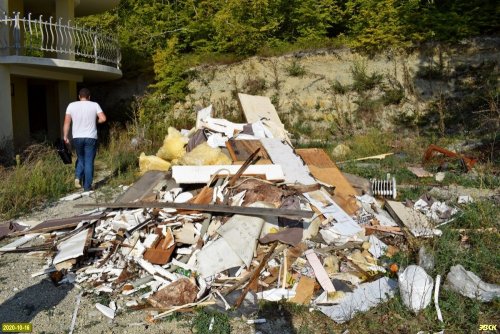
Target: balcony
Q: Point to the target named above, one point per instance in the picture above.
(38, 43)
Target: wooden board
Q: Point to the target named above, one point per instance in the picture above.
(325, 170)
(60, 224)
(416, 222)
(240, 150)
(143, 187)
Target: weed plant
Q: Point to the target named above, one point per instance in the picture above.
(39, 175)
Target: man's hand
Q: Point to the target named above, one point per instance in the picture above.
(66, 140)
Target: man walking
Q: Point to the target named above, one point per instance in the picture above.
(84, 114)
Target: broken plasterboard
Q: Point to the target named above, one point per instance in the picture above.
(241, 233)
(203, 114)
(362, 299)
(418, 224)
(203, 174)
(293, 167)
(19, 242)
(71, 248)
(345, 225)
(216, 257)
(260, 108)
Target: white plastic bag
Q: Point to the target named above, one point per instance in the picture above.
(415, 287)
(470, 285)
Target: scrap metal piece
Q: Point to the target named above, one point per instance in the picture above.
(467, 162)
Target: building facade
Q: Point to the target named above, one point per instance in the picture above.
(43, 55)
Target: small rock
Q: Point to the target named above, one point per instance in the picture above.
(440, 176)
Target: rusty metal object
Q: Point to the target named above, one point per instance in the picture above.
(467, 162)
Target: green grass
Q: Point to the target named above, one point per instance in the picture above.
(39, 176)
(203, 318)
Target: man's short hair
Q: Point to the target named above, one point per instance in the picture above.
(84, 92)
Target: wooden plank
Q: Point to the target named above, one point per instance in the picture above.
(222, 208)
(240, 150)
(315, 157)
(143, 187)
(416, 222)
(60, 224)
(325, 170)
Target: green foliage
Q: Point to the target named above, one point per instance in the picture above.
(295, 69)
(219, 321)
(339, 88)
(362, 81)
(254, 86)
(40, 175)
(394, 93)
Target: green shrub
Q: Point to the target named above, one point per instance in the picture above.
(295, 69)
(339, 88)
(362, 81)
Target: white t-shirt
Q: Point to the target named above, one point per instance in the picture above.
(84, 116)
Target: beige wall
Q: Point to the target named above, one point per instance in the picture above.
(6, 129)
(20, 115)
(66, 91)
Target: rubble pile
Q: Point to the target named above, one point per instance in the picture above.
(227, 214)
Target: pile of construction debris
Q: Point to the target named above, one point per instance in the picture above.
(228, 214)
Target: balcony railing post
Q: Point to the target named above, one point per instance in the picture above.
(95, 48)
(17, 34)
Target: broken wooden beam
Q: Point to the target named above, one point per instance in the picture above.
(221, 208)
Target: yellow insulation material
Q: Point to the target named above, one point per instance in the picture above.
(173, 145)
(203, 155)
(152, 162)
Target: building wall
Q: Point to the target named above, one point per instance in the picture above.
(20, 117)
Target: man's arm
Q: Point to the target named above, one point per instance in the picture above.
(67, 123)
(101, 118)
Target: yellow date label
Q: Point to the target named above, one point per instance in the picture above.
(17, 327)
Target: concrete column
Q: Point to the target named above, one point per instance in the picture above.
(53, 127)
(65, 9)
(4, 31)
(6, 126)
(66, 91)
(20, 113)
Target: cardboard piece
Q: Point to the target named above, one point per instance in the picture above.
(304, 291)
(162, 250)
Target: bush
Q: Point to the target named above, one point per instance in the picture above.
(339, 88)
(295, 69)
(363, 82)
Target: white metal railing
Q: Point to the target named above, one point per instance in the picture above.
(35, 37)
